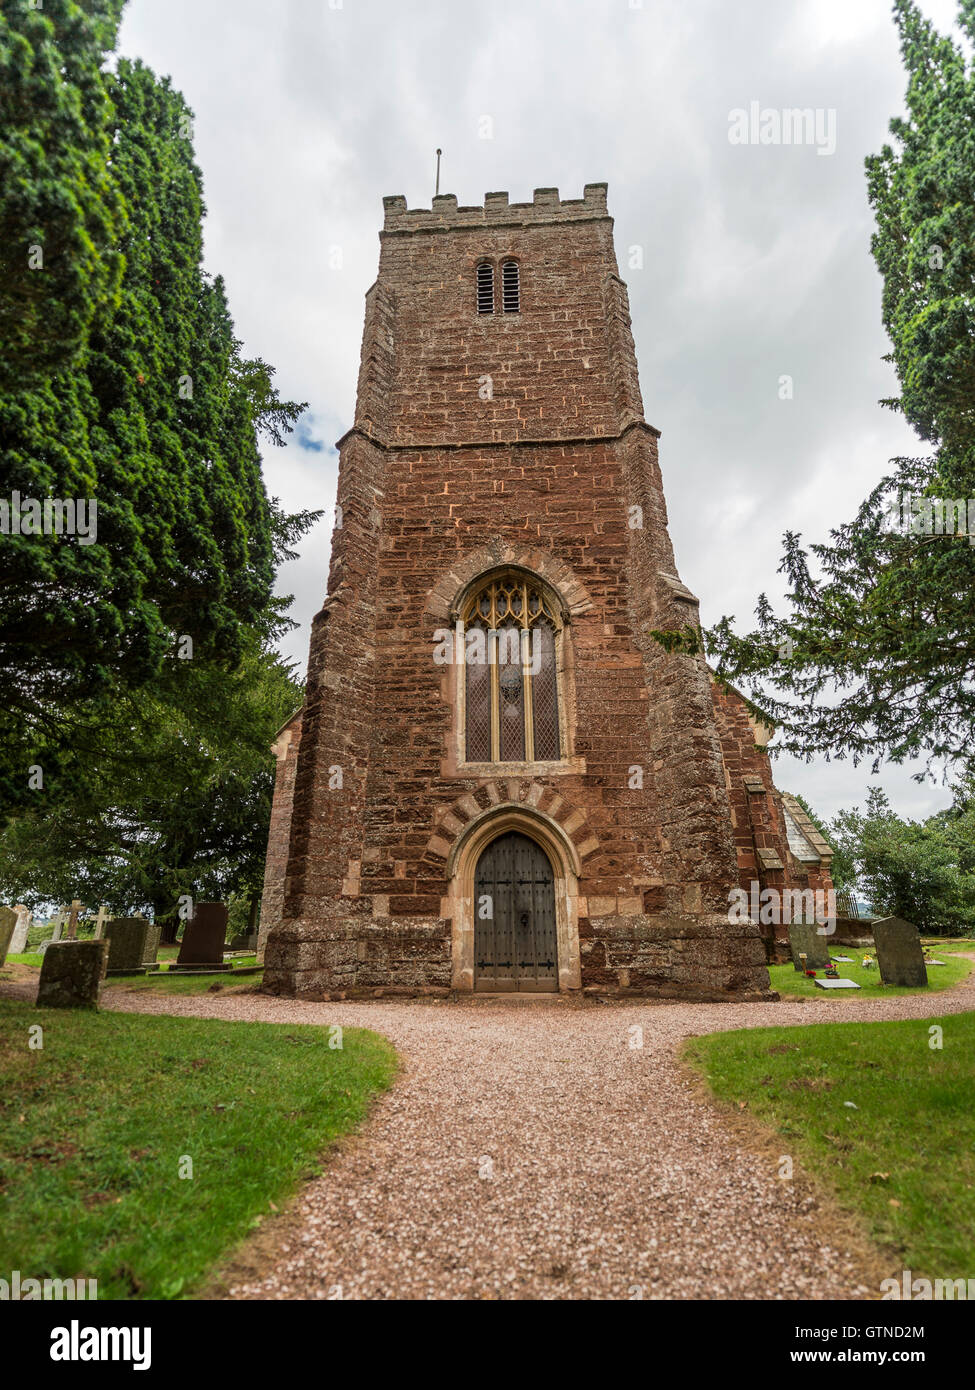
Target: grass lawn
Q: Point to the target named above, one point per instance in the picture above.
(166, 983)
(905, 1157)
(95, 1126)
(178, 983)
(787, 980)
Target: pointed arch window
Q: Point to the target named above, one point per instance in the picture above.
(512, 634)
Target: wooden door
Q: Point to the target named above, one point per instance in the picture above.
(514, 917)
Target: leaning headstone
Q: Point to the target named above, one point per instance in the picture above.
(100, 921)
(57, 926)
(203, 939)
(899, 954)
(8, 921)
(18, 942)
(72, 974)
(805, 937)
(126, 945)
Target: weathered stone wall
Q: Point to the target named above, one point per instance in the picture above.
(552, 469)
(285, 750)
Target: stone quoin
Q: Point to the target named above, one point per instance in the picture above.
(500, 779)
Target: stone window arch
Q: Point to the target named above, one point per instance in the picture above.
(513, 695)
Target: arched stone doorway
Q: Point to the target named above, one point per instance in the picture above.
(460, 902)
(515, 947)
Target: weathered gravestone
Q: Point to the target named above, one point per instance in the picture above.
(18, 942)
(899, 954)
(244, 941)
(72, 974)
(805, 936)
(127, 940)
(8, 921)
(153, 932)
(203, 939)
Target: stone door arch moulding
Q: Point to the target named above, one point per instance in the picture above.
(462, 866)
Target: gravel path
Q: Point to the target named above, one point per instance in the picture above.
(528, 1151)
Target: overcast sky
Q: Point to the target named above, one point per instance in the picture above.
(755, 259)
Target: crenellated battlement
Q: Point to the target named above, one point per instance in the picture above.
(546, 206)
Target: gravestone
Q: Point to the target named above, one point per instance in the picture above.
(837, 984)
(8, 921)
(72, 974)
(100, 921)
(203, 939)
(153, 930)
(126, 937)
(73, 919)
(244, 941)
(18, 942)
(899, 954)
(805, 936)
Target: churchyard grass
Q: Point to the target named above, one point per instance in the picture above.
(787, 980)
(97, 1126)
(177, 983)
(904, 1159)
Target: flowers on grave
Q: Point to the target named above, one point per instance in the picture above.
(832, 973)
(867, 963)
(810, 974)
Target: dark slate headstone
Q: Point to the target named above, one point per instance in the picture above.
(837, 984)
(126, 937)
(244, 941)
(900, 958)
(72, 974)
(805, 936)
(8, 921)
(204, 937)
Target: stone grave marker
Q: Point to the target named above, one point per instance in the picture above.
(900, 958)
(805, 936)
(8, 922)
(153, 931)
(73, 919)
(126, 945)
(203, 939)
(100, 921)
(18, 942)
(72, 974)
(836, 984)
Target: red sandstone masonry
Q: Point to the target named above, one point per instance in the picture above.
(436, 480)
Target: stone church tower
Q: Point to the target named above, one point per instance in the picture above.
(500, 780)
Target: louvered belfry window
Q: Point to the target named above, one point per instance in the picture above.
(511, 682)
(485, 288)
(510, 288)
